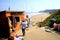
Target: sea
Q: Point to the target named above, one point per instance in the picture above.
(30, 14)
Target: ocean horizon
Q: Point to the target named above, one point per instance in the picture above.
(34, 13)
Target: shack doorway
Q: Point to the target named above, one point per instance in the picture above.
(13, 22)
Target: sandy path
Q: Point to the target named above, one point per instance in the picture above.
(39, 17)
(36, 33)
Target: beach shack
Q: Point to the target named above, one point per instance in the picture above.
(10, 20)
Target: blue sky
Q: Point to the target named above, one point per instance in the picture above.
(29, 5)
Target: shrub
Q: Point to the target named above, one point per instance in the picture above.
(56, 15)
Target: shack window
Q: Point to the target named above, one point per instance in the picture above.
(17, 19)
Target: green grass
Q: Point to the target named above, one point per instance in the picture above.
(55, 14)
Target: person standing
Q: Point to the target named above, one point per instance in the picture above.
(28, 22)
(23, 25)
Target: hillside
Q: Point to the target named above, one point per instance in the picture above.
(56, 15)
(48, 10)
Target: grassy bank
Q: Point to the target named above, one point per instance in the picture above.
(55, 14)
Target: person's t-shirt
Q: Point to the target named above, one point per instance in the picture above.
(23, 25)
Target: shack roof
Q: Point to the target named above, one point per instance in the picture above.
(13, 11)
